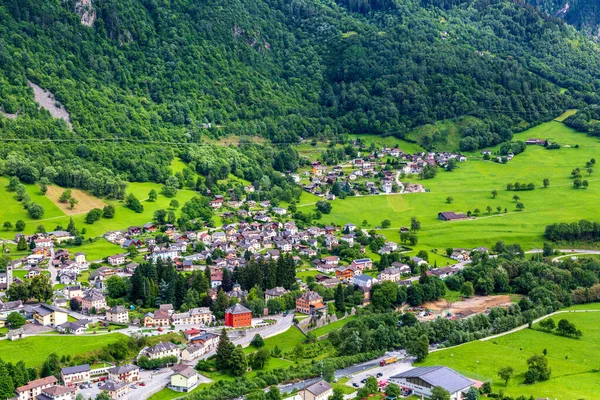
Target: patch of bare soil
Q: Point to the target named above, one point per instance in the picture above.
(85, 201)
(466, 307)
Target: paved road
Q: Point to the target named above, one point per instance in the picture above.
(520, 328)
(567, 251)
(282, 325)
(51, 269)
(400, 184)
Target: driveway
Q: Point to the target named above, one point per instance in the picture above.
(363, 371)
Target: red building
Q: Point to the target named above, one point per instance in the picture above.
(238, 316)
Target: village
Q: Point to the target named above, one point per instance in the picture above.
(215, 252)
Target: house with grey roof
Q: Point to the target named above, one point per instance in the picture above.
(320, 390)
(161, 350)
(364, 281)
(76, 374)
(124, 373)
(115, 389)
(422, 379)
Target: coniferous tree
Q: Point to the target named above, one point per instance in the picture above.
(340, 302)
(224, 352)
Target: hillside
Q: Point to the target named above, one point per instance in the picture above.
(582, 14)
(148, 77)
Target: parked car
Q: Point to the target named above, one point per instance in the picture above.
(355, 384)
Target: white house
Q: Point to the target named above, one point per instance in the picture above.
(364, 281)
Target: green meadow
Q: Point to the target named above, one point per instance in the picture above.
(574, 362)
(470, 186)
(12, 210)
(388, 141)
(97, 249)
(34, 350)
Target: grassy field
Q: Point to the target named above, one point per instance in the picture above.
(54, 216)
(574, 362)
(388, 141)
(324, 330)
(98, 249)
(34, 350)
(470, 186)
(565, 115)
(286, 341)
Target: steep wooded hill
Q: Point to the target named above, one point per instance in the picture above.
(135, 71)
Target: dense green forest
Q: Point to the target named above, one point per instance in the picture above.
(583, 14)
(147, 80)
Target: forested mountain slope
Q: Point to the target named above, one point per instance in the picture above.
(583, 14)
(172, 71)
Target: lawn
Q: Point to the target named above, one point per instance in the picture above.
(452, 295)
(168, 394)
(20, 273)
(324, 330)
(573, 361)
(470, 186)
(12, 210)
(97, 250)
(565, 115)
(305, 274)
(286, 341)
(34, 350)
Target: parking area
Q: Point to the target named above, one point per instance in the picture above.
(150, 382)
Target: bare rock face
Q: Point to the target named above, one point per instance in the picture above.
(46, 100)
(85, 9)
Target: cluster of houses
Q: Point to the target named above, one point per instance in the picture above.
(371, 165)
(266, 240)
(43, 252)
(116, 381)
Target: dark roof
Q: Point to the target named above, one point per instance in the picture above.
(46, 309)
(237, 309)
(76, 369)
(445, 377)
(113, 386)
(450, 215)
(364, 278)
(319, 388)
(58, 390)
(123, 369)
(117, 310)
(311, 296)
(164, 346)
(205, 337)
(187, 372)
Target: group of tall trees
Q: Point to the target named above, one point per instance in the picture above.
(13, 376)
(290, 79)
(583, 230)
